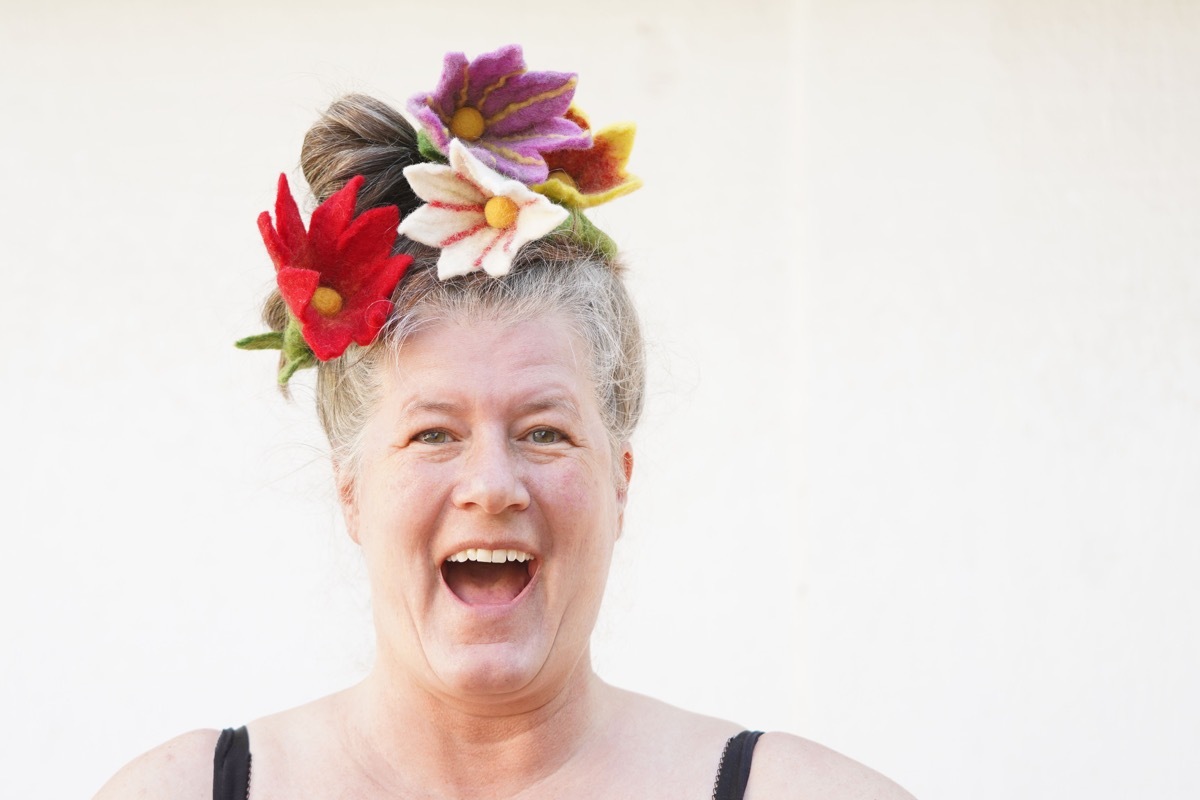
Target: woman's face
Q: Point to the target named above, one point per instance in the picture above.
(488, 437)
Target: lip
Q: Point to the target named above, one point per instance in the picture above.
(494, 609)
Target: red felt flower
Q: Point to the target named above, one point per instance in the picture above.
(337, 277)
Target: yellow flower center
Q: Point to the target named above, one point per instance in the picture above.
(500, 212)
(326, 301)
(467, 123)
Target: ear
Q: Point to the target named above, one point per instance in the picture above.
(626, 456)
(348, 498)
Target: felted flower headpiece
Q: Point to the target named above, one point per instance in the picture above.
(508, 160)
(337, 277)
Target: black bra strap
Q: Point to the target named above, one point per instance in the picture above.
(734, 772)
(231, 765)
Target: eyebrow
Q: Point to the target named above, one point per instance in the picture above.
(550, 403)
(438, 406)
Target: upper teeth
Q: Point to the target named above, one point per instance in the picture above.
(490, 556)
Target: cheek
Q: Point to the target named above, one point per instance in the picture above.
(395, 505)
(580, 503)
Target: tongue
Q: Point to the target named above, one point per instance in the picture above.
(480, 583)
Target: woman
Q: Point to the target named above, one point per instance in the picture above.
(479, 397)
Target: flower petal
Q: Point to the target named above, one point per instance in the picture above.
(329, 336)
(287, 219)
(597, 174)
(330, 220)
(372, 319)
(603, 166)
(439, 226)
(368, 240)
(451, 91)
(496, 259)
(469, 169)
(280, 253)
(439, 182)
(525, 166)
(527, 100)
(464, 256)
(439, 134)
(296, 286)
(380, 282)
(553, 134)
(536, 219)
(569, 196)
(490, 71)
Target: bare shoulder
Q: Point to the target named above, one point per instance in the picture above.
(181, 769)
(646, 720)
(790, 766)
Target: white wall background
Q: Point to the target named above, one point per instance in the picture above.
(919, 474)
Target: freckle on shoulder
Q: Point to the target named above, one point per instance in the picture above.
(790, 766)
(180, 769)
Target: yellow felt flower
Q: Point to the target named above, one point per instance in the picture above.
(586, 178)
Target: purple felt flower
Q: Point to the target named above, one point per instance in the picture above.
(505, 115)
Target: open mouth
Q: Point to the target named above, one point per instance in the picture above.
(482, 577)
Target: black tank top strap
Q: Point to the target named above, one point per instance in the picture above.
(231, 765)
(734, 772)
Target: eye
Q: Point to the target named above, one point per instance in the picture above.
(432, 437)
(545, 436)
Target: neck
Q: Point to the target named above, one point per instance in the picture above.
(407, 735)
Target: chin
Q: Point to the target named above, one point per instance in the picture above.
(497, 670)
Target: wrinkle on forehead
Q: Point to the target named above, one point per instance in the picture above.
(450, 366)
(553, 402)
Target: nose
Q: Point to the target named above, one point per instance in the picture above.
(491, 478)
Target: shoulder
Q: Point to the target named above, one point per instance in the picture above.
(790, 766)
(644, 720)
(180, 769)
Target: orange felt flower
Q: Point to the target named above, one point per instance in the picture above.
(586, 178)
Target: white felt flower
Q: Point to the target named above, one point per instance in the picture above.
(478, 217)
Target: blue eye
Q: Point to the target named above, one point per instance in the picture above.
(545, 436)
(432, 437)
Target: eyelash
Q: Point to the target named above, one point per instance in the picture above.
(424, 436)
(559, 435)
(421, 437)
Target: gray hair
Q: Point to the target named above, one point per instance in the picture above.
(557, 275)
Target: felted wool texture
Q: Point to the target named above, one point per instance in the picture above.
(598, 173)
(295, 353)
(453, 217)
(350, 255)
(523, 111)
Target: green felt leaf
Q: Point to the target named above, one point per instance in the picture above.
(426, 147)
(289, 368)
(586, 231)
(261, 341)
(294, 346)
(296, 352)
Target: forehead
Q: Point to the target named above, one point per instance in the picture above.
(465, 362)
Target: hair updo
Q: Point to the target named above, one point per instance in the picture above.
(359, 135)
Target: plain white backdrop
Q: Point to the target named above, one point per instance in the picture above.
(919, 473)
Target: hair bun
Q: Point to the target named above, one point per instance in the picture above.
(359, 135)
